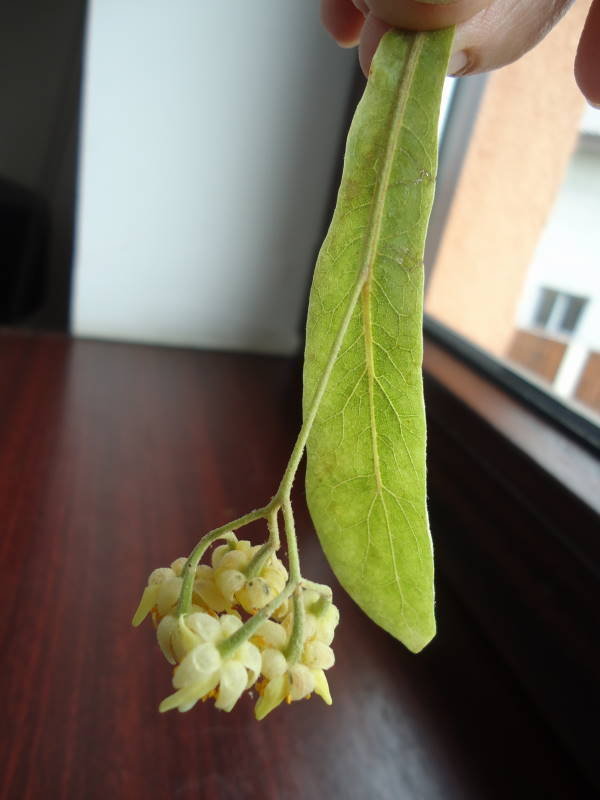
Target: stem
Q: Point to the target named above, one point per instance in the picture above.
(292, 543)
(287, 481)
(268, 548)
(250, 627)
(282, 497)
(259, 560)
(321, 588)
(273, 526)
(320, 605)
(294, 649)
(189, 571)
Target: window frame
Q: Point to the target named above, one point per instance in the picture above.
(569, 421)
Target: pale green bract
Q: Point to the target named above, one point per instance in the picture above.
(366, 482)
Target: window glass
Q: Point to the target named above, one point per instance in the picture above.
(517, 267)
(546, 303)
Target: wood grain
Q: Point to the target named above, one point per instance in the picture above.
(114, 460)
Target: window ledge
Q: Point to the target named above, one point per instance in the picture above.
(513, 503)
(553, 451)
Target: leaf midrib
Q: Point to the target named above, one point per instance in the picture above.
(375, 230)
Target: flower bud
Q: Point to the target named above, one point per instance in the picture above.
(218, 553)
(168, 595)
(272, 634)
(210, 595)
(317, 655)
(326, 624)
(255, 595)
(204, 572)
(178, 565)
(273, 663)
(234, 559)
(309, 598)
(160, 575)
(274, 578)
(228, 582)
(302, 682)
(175, 638)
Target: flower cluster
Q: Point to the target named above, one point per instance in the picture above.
(284, 681)
(240, 581)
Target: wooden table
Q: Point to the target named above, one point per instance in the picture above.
(114, 460)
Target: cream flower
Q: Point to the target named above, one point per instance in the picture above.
(203, 669)
(160, 595)
(224, 584)
(293, 683)
(175, 638)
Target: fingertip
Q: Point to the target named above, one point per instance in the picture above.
(372, 31)
(587, 60)
(342, 20)
(426, 14)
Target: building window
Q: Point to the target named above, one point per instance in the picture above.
(558, 312)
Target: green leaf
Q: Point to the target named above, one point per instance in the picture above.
(365, 482)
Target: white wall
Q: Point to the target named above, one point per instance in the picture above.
(568, 255)
(209, 141)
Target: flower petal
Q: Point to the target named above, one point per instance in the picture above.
(168, 595)
(229, 581)
(274, 693)
(164, 634)
(199, 665)
(160, 575)
(146, 605)
(249, 655)
(302, 682)
(218, 553)
(231, 685)
(188, 696)
(326, 624)
(207, 627)
(210, 595)
(273, 634)
(317, 655)
(178, 565)
(229, 625)
(255, 595)
(183, 639)
(234, 559)
(180, 697)
(321, 686)
(273, 663)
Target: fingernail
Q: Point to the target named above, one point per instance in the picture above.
(458, 62)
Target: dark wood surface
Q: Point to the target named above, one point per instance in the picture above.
(514, 502)
(114, 460)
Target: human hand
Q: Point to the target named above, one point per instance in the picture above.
(489, 33)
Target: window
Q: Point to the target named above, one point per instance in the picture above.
(513, 268)
(558, 312)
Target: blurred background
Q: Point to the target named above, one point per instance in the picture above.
(167, 172)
